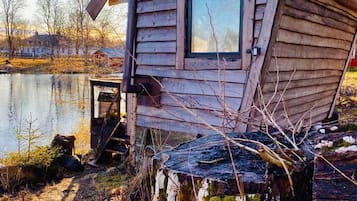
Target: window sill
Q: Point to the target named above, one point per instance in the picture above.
(211, 64)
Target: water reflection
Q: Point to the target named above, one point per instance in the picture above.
(58, 102)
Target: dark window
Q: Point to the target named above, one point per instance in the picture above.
(214, 26)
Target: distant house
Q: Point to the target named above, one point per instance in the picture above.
(43, 45)
(105, 57)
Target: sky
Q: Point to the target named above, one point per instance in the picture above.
(29, 10)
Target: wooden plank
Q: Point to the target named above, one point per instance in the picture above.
(259, 12)
(156, 34)
(302, 75)
(179, 114)
(300, 92)
(295, 112)
(307, 27)
(156, 59)
(202, 102)
(173, 126)
(291, 64)
(157, 19)
(342, 76)
(308, 52)
(129, 63)
(318, 19)
(302, 99)
(254, 75)
(270, 87)
(314, 8)
(233, 76)
(258, 2)
(298, 106)
(287, 36)
(308, 117)
(156, 47)
(209, 64)
(181, 32)
(338, 8)
(248, 27)
(257, 28)
(155, 5)
(202, 88)
(131, 126)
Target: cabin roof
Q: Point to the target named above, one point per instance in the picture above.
(111, 52)
(52, 39)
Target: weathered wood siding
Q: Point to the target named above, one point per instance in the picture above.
(259, 15)
(193, 96)
(308, 58)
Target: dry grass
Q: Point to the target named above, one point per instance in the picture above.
(350, 79)
(58, 65)
(82, 141)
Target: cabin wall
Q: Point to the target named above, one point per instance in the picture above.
(194, 96)
(307, 61)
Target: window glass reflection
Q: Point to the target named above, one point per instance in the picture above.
(225, 17)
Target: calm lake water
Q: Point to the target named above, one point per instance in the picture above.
(56, 103)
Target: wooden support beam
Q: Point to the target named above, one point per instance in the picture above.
(248, 27)
(257, 65)
(129, 64)
(180, 34)
(337, 95)
(131, 126)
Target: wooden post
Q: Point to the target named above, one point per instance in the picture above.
(248, 23)
(131, 105)
(129, 45)
(180, 33)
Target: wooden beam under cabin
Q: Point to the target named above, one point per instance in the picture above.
(95, 6)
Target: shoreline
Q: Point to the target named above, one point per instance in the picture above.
(67, 65)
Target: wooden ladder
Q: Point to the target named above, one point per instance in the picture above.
(116, 142)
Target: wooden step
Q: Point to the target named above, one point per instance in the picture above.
(121, 140)
(121, 152)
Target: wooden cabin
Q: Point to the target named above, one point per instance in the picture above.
(109, 57)
(191, 63)
(353, 60)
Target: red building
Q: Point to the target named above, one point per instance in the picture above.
(353, 61)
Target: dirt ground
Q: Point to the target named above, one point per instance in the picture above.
(93, 184)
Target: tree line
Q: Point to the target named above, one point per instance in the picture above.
(67, 17)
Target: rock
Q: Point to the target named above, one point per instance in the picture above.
(110, 170)
(324, 143)
(71, 163)
(322, 130)
(349, 139)
(352, 148)
(333, 128)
